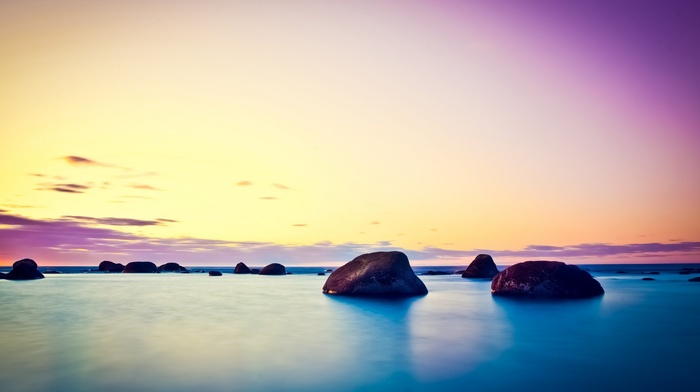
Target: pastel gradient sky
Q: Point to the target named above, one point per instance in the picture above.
(308, 132)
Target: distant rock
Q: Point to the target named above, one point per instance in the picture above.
(321, 274)
(25, 269)
(329, 270)
(214, 273)
(376, 274)
(172, 267)
(482, 267)
(431, 272)
(549, 279)
(241, 268)
(108, 266)
(140, 267)
(653, 273)
(648, 279)
(273, 269)
(255, 271)
(697, 279)
(51, 272)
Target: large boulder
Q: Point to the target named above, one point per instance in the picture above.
(241, 268)
(482, 267)
(547, 279)
(108, 266)
(140, 267)
(25, 269)
(376, 274)
(172, 267)
(273, 269)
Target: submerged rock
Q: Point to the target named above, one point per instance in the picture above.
(140, 267)
(431, 272)
(481, 267)
(172, 267)
(241, 268)
(25, 269)
(549, 279)
(214, 273)
(648, 279)
(376, 274)
(273, 269)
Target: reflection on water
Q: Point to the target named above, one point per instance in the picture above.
(260, 333)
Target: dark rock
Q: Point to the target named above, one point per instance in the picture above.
(685, 272)
(648, 279)
(654, 273)
(273, 269)
(549, 279)
(329, 270)
(255, 271)
(321, 274)
(140, 267)
(694, 279)
(109, 266)
(51, 272)
(241, 268)
(171, 267)
(25, 269)
(214, 273)
(376, 274)
(431, 272)
(621, 272)
(482, 267)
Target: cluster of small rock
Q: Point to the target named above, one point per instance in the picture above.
(390, 274)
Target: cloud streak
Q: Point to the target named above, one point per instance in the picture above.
(85, 240)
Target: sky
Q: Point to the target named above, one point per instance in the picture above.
(310, 132)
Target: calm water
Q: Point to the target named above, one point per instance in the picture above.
(171, 332)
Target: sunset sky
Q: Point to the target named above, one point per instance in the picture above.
(309, 132)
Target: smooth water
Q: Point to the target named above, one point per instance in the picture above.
(172, 332)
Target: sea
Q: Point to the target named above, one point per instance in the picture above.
(82, 330)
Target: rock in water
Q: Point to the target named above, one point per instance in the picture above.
(648, 279)
(109, 266)
(548, 279)
(214, 273)
(273, 269)
(25, 269)
(482, 267)
(376, 274)
(241, 268)
(140, 267)
(694, 279)
(172, 267)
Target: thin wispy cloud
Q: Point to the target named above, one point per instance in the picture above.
(282, 187)
(144, 187)
(268, 198)
(244, 183)
(299, 225)
(375, 223)
(116, 221)
(127, 172)
(64, 187)
(80, 161)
